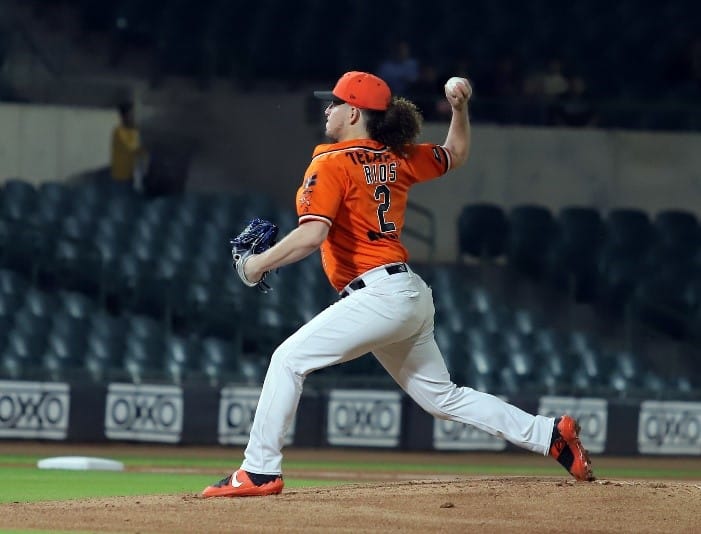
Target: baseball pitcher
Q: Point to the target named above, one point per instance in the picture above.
(351, 205)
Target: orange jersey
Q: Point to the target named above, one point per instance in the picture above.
(360, 189)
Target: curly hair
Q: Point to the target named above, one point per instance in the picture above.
(397, 127)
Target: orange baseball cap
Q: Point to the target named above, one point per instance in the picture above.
(359, 89)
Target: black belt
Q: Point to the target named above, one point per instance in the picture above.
(358, 283)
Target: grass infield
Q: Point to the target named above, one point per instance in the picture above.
(24, 482)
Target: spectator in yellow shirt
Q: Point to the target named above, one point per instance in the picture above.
(129, 158)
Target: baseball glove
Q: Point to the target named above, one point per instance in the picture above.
(257, 237)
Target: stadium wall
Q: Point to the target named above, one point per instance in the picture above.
(386, 419)
(42, 143)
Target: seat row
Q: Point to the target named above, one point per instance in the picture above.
(65, 335)
(50, 202)
(624, 259)
(496, 343)
(163, 256)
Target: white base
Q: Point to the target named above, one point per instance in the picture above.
(80, 463)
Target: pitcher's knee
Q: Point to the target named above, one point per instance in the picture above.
(433, 407)
(436, 412)
(286, 357)
(442, 405)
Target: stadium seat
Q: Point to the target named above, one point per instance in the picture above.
(556, 372)
(268, 327)
(143, 327)
(226, 212)
(557, 366)
(484, 356)
(222, 315)
(653, 384)
(13, 285)
(121, 279)
(592, 368)
(110, 231)
(629, 231)
(668, 299)
(482, 231)
(22, 353)
(93, 197)
(26, 250)
(9, 304)
(30, 323)
(7, 319)
(220, 360)
(181, 357)
(532, 233)
(78, 228)
(124, 209)
(521, 359)
(255, 204)
(191, 208)
(524, 322)
(619, 274)
(103, 355)
(65, 350)
(39, 303)
(252, 369)
(105, 344)
(575, 254)
(629, 366)
(76, 305)
(177, 249)
(73, 265)
(448, 288)
(53, 203)
(158, 212)
(19, 201)
(678, 235)
(152, 295)
(145, 345)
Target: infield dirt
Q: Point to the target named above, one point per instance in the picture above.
(386, 502)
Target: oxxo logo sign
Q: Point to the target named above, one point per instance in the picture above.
(144, 413)
(592, 415)
(237, 407)
(34, 410)
(669, 428)
(364, 417)
(453, 436)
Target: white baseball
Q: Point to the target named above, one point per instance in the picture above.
(452, 84)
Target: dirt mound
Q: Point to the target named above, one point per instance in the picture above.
(461, 504)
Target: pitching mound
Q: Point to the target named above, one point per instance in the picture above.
(504, 504)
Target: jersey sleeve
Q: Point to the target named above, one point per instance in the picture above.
(428, 161)
(320, 194)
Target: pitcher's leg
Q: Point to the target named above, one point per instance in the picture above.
(282, 389)
(342, 332)
(418, 367)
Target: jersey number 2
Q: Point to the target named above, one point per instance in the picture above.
(382, 193)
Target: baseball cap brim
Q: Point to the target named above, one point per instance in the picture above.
(360, 89)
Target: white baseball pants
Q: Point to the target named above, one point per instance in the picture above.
(392, 317)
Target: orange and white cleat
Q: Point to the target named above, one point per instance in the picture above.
(567, 449)
(239, 484)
